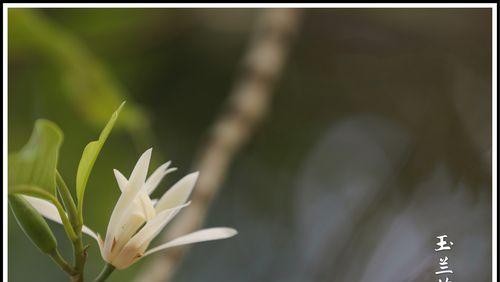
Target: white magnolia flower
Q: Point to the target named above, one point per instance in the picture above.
(137, 219)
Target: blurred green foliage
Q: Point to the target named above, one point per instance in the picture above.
(88, 86)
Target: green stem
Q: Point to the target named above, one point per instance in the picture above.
(105, 273)
(61, 262)
(68, 201)
(79, 251)
(80, 254)
(64, 218)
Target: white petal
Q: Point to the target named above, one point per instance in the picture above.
(151, 186)
(101, 246)
(89, 232)
(143, 200)
(45, 208)
(156, 177)
(134, 185)
(151, 183)
(147, 206)
(49, 211)
(153, 227)
(128, 256)
(140, 172)
(203, 235)
(120, 179)
(178, 194)
(124, 232)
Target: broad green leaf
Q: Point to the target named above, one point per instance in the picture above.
(89, 156)
(33, 224)
(35, 164)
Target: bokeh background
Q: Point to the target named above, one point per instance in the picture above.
(377, 139)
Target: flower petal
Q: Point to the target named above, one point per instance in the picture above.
(147, 206)
(132, 190)
(152, 181)
(49, 211)
(140, 172)
(157, 176)
(120, 179)
(203, 235)
(142, 201)
(178, 194)
(126, 230)
(153, 227)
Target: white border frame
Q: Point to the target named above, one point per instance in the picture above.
(492, 6)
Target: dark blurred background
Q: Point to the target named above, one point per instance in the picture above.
(378, 137)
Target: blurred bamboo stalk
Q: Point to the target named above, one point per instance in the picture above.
(247, 106)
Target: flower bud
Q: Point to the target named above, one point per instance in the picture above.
(32, 223)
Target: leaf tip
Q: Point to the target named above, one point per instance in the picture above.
(49, 125)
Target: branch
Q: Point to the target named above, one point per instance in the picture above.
(247, 106)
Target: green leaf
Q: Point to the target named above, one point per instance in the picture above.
(89, 156)
(30, 190)
(35, 164)
(32, 223)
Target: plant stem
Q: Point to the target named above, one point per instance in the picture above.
(68, 201)
(61, 262)
(80, 254)
(68, 227)
(79, 251)
(106, 271)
